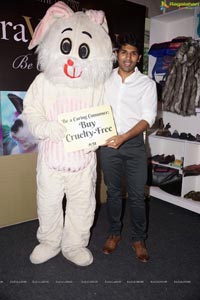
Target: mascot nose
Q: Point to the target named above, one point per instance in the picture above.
(70, 62)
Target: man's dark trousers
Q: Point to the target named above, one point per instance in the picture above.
(129, 162)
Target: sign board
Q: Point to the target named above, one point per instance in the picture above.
(87, 128)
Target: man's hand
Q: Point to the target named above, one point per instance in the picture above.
(115, 141)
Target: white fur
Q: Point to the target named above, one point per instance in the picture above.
(95, 69)
(80, 256)
(42, 253)
(68, 82)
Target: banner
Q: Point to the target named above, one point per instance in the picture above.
(18, 20)
(18, 70)
(1, 132)
(16, 138)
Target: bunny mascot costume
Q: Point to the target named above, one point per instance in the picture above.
(75, 57)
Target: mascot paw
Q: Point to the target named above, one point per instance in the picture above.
(42, 253)
(81, 256)
(91, 149)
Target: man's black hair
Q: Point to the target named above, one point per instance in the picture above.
(130, 39)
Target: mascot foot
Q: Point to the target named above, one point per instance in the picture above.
(81, 256)
(42, 253)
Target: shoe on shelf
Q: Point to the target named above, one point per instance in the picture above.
(183, 136)
(177, 163)
(195, 172)
(189, 194)
(191, 137)
(167, 159)
(166, 131)
(140, 251)
(191, 170)
(157, 157)
(191, 167)
(111, 244)
(175, 135)
(198, 137)
(160, 127)
(159, 132)
(196, 196)
(193, 195)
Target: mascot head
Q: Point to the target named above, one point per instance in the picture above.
(73, 48)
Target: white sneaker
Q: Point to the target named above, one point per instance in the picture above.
(42, 253)
(80, 256)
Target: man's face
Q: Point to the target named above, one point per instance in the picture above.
(128, 57)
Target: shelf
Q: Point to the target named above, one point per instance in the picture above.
(166, 27)
(179, 201)
(153, 135)
(167, 146)
(167, 166)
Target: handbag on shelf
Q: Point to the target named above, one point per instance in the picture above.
(166, 178)
(158, 175)
(173, 185)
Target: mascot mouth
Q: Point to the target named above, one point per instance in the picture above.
(71, 71)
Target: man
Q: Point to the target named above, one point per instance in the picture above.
(133, 99)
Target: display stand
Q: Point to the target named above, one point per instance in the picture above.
(164, 28)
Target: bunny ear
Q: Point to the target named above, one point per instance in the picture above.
(98, 16)
(56, 11)
(17, 102)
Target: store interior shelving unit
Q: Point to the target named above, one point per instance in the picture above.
(163, 28)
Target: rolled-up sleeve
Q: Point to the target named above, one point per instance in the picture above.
(149, 103)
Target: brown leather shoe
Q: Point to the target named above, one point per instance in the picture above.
(141, 251)
(111, 244)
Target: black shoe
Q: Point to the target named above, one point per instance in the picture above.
(198, 137)
(190, 137)
(175, 134)
(166, 131)
(167, 159)
(183, 136)
(157, 157)
(160, 127)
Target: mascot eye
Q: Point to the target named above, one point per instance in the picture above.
(84, 51)
(66, 46)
